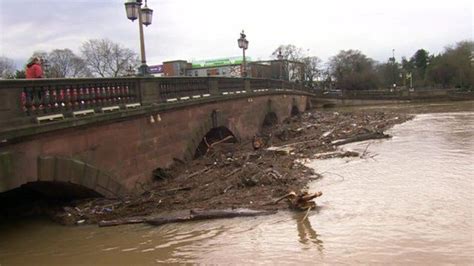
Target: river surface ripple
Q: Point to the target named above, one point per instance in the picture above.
(408, 201)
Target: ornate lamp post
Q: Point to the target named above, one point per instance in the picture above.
(393, 69)
(243, 44)
(144, 15)
(280, 58)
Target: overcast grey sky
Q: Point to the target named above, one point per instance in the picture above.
(205, 29)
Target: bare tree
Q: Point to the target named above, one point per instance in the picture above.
(293, 56)
(353, 70)
(289, 52)
(39, 53)
(65, 64)
(312, 69)
(105, 58)
(7, 68)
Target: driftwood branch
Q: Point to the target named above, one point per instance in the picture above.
(233, 172)
(195, 215)
(220, 141)
(199, 172)
(209, 146)
(227, 213)
(178, 189)
(301, 201)
(307, 213)
(361, 137)
(207, 143)
(228, 188)
(185, 216)
(130, 220)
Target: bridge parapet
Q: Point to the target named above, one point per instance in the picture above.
(22, 100)
(25, 101)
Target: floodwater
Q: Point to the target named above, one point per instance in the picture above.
(409, 200)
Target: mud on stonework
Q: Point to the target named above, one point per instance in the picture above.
(252, 174)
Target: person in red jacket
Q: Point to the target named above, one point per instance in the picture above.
(33, 69)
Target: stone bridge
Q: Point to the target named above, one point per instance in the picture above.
(83, 137)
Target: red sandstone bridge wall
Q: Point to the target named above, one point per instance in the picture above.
(113, 158)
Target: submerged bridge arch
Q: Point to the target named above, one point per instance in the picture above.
(60, 177)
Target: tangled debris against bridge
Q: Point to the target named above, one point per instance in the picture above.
(250, 174)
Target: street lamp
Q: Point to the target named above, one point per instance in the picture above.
(243, 44)
(393, 69)
(280, 58)
(144, 15)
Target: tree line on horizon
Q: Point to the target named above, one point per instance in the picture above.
(349, 69)
(352, 70)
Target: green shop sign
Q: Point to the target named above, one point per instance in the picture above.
(219, 62)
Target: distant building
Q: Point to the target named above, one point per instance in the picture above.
(225, 67)
(176, 68)
(232, 67)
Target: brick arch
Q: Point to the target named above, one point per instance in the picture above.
(214, 120)
(71, 171)
(271, 118)
(308, 104)
(295, 110)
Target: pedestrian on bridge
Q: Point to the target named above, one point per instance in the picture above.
(33, 69)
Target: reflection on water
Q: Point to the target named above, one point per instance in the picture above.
(409, 201)
(307, 234)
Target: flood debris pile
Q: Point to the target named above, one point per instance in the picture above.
(250, 175)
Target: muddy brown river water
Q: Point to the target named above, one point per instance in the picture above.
(410, 200)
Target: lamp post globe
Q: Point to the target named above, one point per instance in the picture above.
(144, 14)
(132, 8)
(147, 15)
